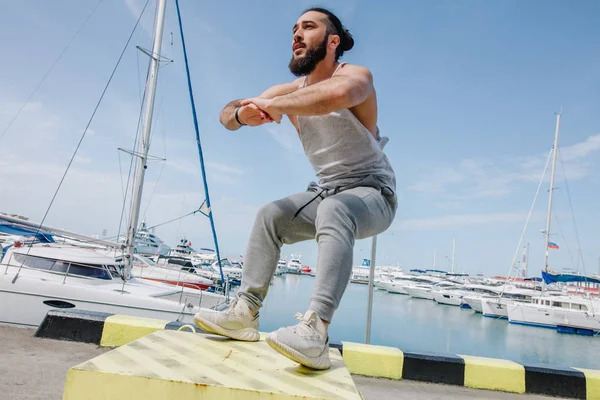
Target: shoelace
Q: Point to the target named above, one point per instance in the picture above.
(304, 328)
(232, 305)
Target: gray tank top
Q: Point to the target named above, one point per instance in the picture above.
(344, 153)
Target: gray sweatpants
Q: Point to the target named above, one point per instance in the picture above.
(335, 221)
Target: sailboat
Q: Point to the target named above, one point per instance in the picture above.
(572, 312)
(36, 277)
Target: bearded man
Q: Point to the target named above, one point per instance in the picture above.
(333, 106)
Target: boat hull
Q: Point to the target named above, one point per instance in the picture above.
(531, 315)
(447, 299)
(419, 293)
(475, 303)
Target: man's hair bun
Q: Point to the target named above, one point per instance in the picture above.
(347, 40)
(335, 27)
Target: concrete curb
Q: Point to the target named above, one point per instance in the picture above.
(374, 361)
(103, 329)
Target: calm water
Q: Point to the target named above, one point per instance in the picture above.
(424, 326)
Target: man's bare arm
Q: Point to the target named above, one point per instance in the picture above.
(341, 91)
(280, 90)
(227, 115)
(247, 116)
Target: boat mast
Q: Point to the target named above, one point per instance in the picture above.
(526, 261)
(142, 157)
(453, 248)
(551, 191)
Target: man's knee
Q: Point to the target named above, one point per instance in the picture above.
(336, 212)
(278, 213)
(269, 213)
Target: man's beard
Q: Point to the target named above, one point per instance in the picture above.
(301, 66)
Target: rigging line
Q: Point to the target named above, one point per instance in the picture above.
(154, 188)
(121, 175)
(50, 70)
(572, 212)
(134, 149)
(139, 79)
(564, 238)
(164, 136)
(175, 219)
(537, 192)
(84, 133)
(200, 153)
(155, 123)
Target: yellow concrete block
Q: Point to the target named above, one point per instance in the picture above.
(182, 365)
(592, 383)
(122, 329)
(376, 361)
(494, 374)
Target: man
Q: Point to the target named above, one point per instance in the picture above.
(334, 109)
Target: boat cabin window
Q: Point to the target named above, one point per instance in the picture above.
(114, 271)
(34, 262)
(581, 307)
(47, 264)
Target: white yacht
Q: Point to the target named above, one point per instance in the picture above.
(144, 268)
(425, 291)
(183, 249)
(360, 275)
(497, 306)
(399, 284)
(147, 243)
(294, 266)
(454, 296)
(281, 268)
(557, 311)
(37, 278)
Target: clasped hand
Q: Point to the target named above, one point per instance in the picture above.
(257, 111)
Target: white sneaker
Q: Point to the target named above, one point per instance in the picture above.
(236, 322)
(306, 343)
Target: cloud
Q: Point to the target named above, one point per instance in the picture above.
(224, 168)
(135, 8)
(449, 206)
(459, 220)
(216, 171)
(581, 150)
(478, 178)
(82, 159)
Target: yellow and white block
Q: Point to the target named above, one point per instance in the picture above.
(181, 365)
(122, 329)
(494, 374)
(376, 361)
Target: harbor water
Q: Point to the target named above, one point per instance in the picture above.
(424, 326)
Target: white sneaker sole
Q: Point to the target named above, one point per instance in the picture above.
(321, 362)
(246, 334)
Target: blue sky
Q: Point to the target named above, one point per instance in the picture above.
(467, 94)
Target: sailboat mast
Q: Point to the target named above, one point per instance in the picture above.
(551, 191)
(526, 261)
(142, 157)
(453, 248)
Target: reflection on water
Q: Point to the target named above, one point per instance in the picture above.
(422, 325)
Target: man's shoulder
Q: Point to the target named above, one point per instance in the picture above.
(354, 69)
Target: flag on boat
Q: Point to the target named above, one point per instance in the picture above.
(552, 245)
